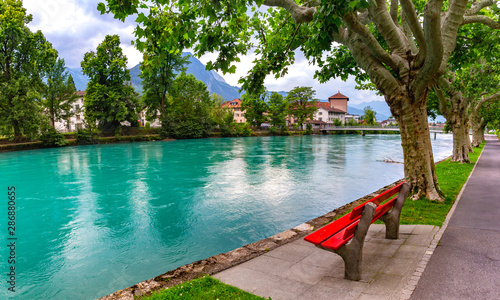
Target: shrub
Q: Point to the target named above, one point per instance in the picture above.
(242, 129)
(309, 129)
(51, 137)
(148, 125)
(86, 137)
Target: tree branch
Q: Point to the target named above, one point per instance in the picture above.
(442, 103)
(409, 34)
(477, 6)
(370, 40)
(416, 28)
(300, 14)
(491, 98)
(449, 28)
(432, 33)
(387, 28)
(482, 20)
(394, 10)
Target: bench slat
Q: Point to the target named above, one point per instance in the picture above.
(342, 237)
(319, 236)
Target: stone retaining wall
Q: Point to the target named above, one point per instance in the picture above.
(237, 256)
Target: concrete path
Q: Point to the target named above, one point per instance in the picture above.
(299, 270)
(466, 264)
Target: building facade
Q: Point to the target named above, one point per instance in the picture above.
(77, 120)
(235, 105)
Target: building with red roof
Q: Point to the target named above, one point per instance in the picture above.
(235, 105)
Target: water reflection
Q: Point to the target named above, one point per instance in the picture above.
(109, 216)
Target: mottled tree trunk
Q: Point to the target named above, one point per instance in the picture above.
(420, 169)
(477, 130)
(17, 131)
(460, 144)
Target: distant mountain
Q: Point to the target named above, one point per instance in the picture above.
(79, 79)
(214, 82)
(380, 107)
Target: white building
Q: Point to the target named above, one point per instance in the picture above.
(329, 115)
(153, 124)
(76, 121)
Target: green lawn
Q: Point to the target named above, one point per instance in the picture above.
(204, 288)
(451, 177)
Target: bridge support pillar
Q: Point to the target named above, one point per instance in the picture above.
(435, 134)
(362, 133)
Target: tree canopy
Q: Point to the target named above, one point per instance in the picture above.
(189, 113)
(109, 100)
(24, 57)
(302, 104)
(59, 92)
(401, 46)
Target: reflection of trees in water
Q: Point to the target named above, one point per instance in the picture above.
(336, 152)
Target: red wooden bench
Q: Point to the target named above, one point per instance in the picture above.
(353, 227)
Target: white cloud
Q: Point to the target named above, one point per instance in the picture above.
(75, 27)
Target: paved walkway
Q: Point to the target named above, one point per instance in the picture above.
(299, 270)
(464, 266)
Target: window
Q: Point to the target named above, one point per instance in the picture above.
(237, 115)
(77, 106)
(78, 117)
(236, 109)
(321, 119)
(320, 113)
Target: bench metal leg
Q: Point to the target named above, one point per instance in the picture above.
(351, 252)
(391, 219)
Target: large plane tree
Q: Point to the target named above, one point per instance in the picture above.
(401, 46)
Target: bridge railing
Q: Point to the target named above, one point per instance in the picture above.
(362, 127)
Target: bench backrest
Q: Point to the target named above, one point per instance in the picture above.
(343, 223)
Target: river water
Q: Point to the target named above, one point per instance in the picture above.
(91, 220)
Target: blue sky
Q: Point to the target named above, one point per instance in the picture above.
(75, 27)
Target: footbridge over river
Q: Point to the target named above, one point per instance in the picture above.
(363, 129)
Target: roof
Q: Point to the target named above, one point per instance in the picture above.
(80, 93)
(338, 96)
(323, 104)
(228, 103)
(332, 109)
(316, 122)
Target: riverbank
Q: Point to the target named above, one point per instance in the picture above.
(414, 212)
(151, 135)
(223, 261)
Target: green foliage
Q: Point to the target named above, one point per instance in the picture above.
(255, 107)
(447, 127)
(87, 136)
(302, 104)
(204, 288)
(309, 129)
(108, 99)
(337, 122)
(148, 125)
(278, 111)
(24, 57)
(158, 72)
(51, 137)
(190, 109)
(369, 116)
(59, 92)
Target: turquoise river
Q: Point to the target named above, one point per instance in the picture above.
(91, 220)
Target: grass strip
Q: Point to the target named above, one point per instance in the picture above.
(204, 288)
(451, 178)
